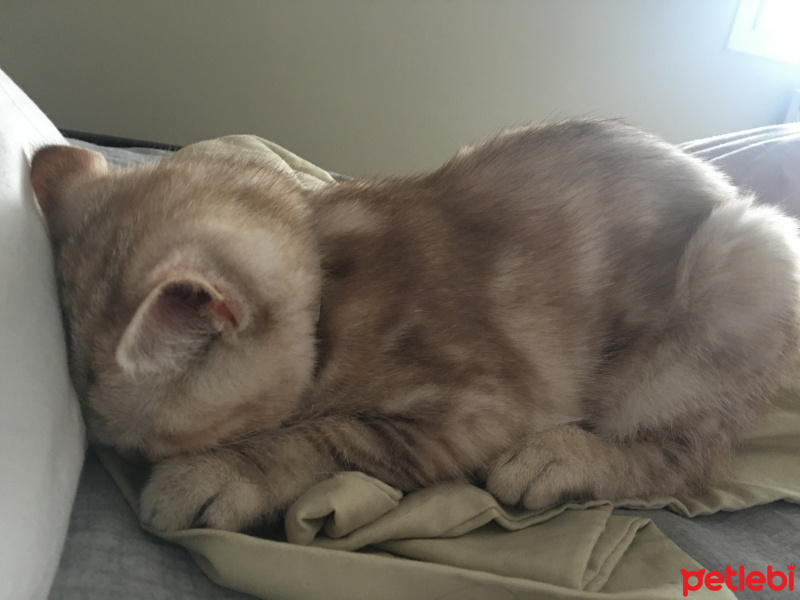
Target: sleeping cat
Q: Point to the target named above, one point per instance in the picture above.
(568, 311)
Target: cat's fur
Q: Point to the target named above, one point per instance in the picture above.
(575, 310)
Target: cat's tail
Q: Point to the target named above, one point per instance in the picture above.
(738, 287)
(672, 412)
(685, 394)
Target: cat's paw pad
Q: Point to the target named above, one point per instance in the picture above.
(200, 490)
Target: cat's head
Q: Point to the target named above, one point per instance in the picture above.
(189, 290)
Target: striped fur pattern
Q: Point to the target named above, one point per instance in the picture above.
(567, 311)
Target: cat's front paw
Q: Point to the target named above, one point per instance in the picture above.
(554, 467)
(526, 480)
(215, 489)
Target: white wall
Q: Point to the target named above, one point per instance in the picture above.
(384, 86)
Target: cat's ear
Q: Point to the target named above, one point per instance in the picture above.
(53, 169)
(176, 322)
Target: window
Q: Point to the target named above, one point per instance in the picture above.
(768, 28)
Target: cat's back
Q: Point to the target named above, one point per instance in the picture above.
(568, 206)
(520, 251)
(581, 165)
(595, 204)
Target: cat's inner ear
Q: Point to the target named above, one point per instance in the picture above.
(53, 169)
(176, 323)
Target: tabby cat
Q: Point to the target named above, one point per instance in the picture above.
(575, 310)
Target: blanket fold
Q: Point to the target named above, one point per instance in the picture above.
(353, 537)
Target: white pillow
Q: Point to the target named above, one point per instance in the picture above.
(42, 439)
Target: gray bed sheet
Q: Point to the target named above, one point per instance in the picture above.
(754, 537)
(107, 555)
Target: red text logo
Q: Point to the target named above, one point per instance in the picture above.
(738, 579)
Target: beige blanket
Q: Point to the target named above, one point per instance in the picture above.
(355, 537)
